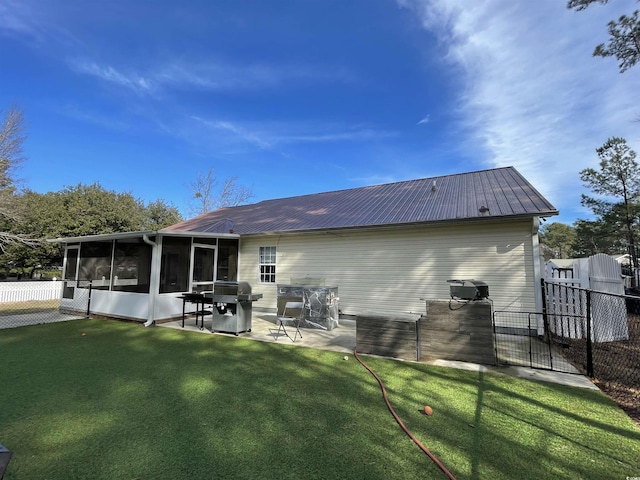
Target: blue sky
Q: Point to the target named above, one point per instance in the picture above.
(304, 96)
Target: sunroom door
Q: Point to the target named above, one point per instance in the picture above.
(204, 258)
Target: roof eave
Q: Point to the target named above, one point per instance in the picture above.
(121, 235)
(102, 237)
(191, 233)
(459, 221)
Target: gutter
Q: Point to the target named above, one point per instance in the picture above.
(152, 287)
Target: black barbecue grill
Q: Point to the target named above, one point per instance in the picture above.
(468, 289)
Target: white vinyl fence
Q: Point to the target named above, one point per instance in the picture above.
(26, 291)
(600, 274)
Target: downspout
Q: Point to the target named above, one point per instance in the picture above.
(153, 287)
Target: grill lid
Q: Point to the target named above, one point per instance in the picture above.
(468, 289)
(231, 288)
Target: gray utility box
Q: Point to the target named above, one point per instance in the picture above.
(321, 304)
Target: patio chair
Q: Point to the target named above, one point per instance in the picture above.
(288, 318)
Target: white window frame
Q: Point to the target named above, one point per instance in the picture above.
(65, 265)
(198, 285)
(267, 259)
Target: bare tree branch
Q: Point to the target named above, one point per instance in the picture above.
(11, 139)
(202, 190)
(7, 238)
(206, 198)
(232, 194)
(11, 156)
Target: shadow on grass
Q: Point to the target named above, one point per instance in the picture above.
(506, 424)
(128, 402)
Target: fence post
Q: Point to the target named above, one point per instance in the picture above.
(545, 321)
(543, 287)
(589, 344)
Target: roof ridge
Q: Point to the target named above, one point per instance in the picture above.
(342, 190)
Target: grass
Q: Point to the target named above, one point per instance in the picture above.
(31, 306)
(127, 402)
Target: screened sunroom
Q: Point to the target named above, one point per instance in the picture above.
(141, 275)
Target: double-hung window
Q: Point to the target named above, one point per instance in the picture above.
(267, 264)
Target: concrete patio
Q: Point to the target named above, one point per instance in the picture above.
(343, 339)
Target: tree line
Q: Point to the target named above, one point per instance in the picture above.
(616, 206)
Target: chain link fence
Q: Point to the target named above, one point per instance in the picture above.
(599, 333)
(34, 303)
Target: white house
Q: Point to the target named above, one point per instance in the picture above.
(384, 246)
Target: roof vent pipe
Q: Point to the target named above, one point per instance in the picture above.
(433, 186)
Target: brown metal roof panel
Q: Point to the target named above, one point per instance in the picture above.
(445, 199)
(534, 200)
(463, 186)
(516, 196)
(509, 194)
(504, 191)
(415, 204)
(503, 196)
(383, 206)
(498, 203)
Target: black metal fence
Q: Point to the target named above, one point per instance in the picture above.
(34, 303)
(520, 340)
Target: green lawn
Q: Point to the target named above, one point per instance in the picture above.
(125, 402)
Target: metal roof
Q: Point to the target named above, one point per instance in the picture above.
(498, 193)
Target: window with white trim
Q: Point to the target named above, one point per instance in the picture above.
(267, 264)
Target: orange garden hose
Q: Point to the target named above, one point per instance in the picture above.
(395, 415)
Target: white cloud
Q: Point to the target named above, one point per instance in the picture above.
(17, 18)
(211, 75)
(206, 75)
(24, 19)
(49, 28)
(534, 96)
(109, 74)
(346, 135)
(275, 135)
(241, 133)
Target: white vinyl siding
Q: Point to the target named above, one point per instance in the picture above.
(390, 270)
